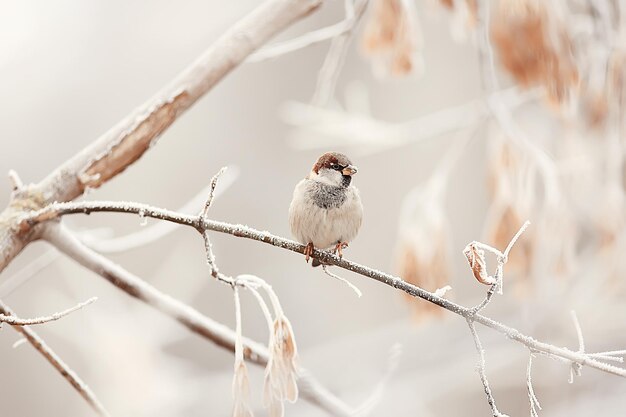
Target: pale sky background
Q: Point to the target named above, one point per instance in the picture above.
(71, 69)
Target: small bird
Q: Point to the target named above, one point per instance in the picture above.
(326, 210)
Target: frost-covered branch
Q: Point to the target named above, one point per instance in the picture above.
(59, 209)
(16, 321)
(532, 398)
(67, 243)
(67, 373)
(481, 370)
(127, 141)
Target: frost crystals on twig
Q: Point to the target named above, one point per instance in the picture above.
(70, 376)
(281, 370)
(481, 370)
(475, 253)
(532, 398)
(210, 257)
(576, 367)
(16, 321)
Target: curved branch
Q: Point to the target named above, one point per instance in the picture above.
(58, 364)
(59, 209)
(16, 321)
(128, 140)
(66, 242)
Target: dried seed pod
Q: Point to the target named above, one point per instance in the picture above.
(531, 50)
(281, 369)
(241, 391)
(392, 37)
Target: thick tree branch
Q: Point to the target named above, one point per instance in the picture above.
(131, 137)
(191, 318)
(58, 364)
(56, 210)
(127, 141)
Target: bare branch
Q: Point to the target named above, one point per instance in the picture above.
(209, 201)
(152, 233)
(19, 343)
(16, 321)
(127, 141)
(345, 281)
(130, 138)
(532, 398)
(481, 371)
(59, 209)
(189, 317)
(576, 367)
(514, 239)
(57, 363)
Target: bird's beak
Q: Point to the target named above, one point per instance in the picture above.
(349, 170)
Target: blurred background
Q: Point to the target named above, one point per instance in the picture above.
(450, 149)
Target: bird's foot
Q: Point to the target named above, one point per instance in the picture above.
(308, 251)
(339, 247)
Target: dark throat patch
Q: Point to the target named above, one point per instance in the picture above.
(327, 196)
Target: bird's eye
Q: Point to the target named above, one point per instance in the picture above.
(336, 167)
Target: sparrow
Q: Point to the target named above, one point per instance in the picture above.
(326, 210)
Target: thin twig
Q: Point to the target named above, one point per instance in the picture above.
(532, 398)
(57, 363)
(481, 370)
(16, 321)
(60, 209)
(153, 233)
(66, 242)
(514, 239)
(208, 247)
(579, 332)
(345, 281)
(329, 73)
(303, 41)
(19, 342)
(212, 186)
(131, 137)
(576, 367)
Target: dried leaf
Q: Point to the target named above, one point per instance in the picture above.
(476, 258)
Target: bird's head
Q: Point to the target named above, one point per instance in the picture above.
(334, 169)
